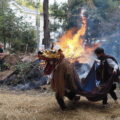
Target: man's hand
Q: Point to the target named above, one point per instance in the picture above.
(97, 60)
(114, 71)
(100, 87)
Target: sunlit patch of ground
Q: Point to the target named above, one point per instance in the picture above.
(34, 105)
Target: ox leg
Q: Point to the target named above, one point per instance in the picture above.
(72, 96)
(60, 101)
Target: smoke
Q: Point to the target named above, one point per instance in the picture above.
(82, 69)
(104, 26)
(111, 45)
(83, 10)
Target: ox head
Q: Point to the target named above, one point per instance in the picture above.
(51, 58)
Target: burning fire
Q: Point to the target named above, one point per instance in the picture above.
(72, 44)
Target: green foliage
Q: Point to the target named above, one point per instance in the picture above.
(30, 4)
(22, 67)
(59, 12)
(104, 7)
(18, 35)
(67, 14)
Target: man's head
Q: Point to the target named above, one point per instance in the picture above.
(60, 51)
(99, 52)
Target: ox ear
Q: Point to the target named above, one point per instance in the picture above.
(40, 52)
(60, 50)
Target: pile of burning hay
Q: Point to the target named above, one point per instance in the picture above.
(25, 74)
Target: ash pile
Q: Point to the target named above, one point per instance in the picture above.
(26, 74)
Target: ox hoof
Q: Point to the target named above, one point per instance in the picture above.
(63, 108)
(76, 98)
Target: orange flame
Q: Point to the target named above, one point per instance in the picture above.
(72, 44)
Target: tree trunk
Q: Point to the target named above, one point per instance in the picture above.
(69, 2)
(46, 40)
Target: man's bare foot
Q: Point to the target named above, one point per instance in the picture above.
(76, 98)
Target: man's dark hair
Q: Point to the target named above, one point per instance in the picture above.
(60, 50)
(99, 50)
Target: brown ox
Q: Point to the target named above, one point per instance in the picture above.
(64, 77)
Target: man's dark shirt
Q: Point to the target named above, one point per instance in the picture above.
(104, 71)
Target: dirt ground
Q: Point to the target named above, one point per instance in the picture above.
(33, 105)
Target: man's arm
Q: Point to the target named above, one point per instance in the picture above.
(113, 64)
